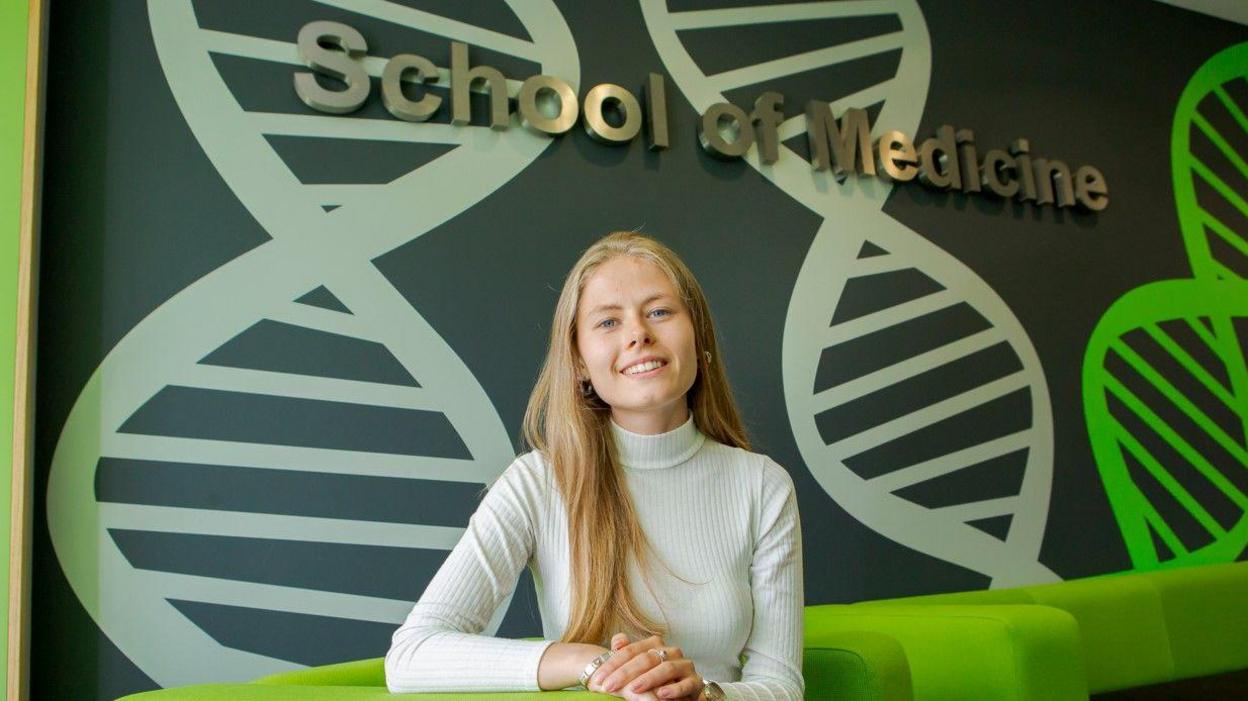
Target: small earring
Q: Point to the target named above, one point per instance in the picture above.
(708, 357)
(587, 388)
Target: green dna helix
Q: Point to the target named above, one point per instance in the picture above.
(1165, 389)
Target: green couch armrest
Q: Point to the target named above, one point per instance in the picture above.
(855, 666)
(1122, 629)
(1206, 617)
(1139, 628)
(986, 653)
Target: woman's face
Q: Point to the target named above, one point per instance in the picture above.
(635, 338)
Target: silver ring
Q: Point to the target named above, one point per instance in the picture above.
(661, 653)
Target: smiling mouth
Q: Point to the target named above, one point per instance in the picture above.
(643, 368)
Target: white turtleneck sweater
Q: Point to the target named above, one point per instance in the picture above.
(723, 519)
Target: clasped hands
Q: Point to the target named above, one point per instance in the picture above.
(638, 672)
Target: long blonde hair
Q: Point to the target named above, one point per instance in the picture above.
(571, 430)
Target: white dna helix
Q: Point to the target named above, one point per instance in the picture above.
(856, 351)
(311, 246)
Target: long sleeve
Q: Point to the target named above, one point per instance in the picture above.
(439, 647)
(773, 652)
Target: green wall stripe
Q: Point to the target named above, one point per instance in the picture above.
(13, 14)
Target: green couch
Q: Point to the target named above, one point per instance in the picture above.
(856, 665)
(1055, 642)
(1133, 629)
(964, 652)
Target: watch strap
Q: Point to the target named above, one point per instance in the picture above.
(711, 691)
(592, 667)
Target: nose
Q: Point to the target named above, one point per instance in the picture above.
(640, 335)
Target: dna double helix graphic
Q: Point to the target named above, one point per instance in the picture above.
(221, 401)
(902, 369)
(1165, 389)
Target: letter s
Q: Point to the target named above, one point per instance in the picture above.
(338, 64)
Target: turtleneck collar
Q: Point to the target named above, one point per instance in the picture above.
(651, 452)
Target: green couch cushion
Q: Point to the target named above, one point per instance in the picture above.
(1206, 614)
(1005, 653)
(1121, 626)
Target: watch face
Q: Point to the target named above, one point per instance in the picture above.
(712, 692)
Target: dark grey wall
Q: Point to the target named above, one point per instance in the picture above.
(135, 212)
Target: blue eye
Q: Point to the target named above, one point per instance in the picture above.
(662, 312)
(606, 323)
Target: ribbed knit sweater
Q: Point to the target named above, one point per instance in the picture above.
(721, 518)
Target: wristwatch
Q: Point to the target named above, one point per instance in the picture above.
(711, 691)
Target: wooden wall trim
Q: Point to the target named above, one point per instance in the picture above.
(18, 688)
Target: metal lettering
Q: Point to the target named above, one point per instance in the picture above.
(849, 146)
(1019, 149)
(462, 78)
(547, 105)
(392, 95)
(994, 173)
(312, 44)
(768, 116)
(949, 160)
(969, 160)
(1090, 189)
(1048, 173)
(897, 157)
(655, 96)
(598, 128)
(938, 161)
(721, 122)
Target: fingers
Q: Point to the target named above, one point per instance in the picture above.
(688, 687)
(672, 671)
(623, 655)
(648, 665)
(634, 659)
(618, 641)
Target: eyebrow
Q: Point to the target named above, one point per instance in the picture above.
(615, 307)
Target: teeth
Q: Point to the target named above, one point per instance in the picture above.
(644, 367)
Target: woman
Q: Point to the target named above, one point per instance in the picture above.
(646, 522)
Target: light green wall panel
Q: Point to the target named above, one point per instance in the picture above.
(12, 103)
